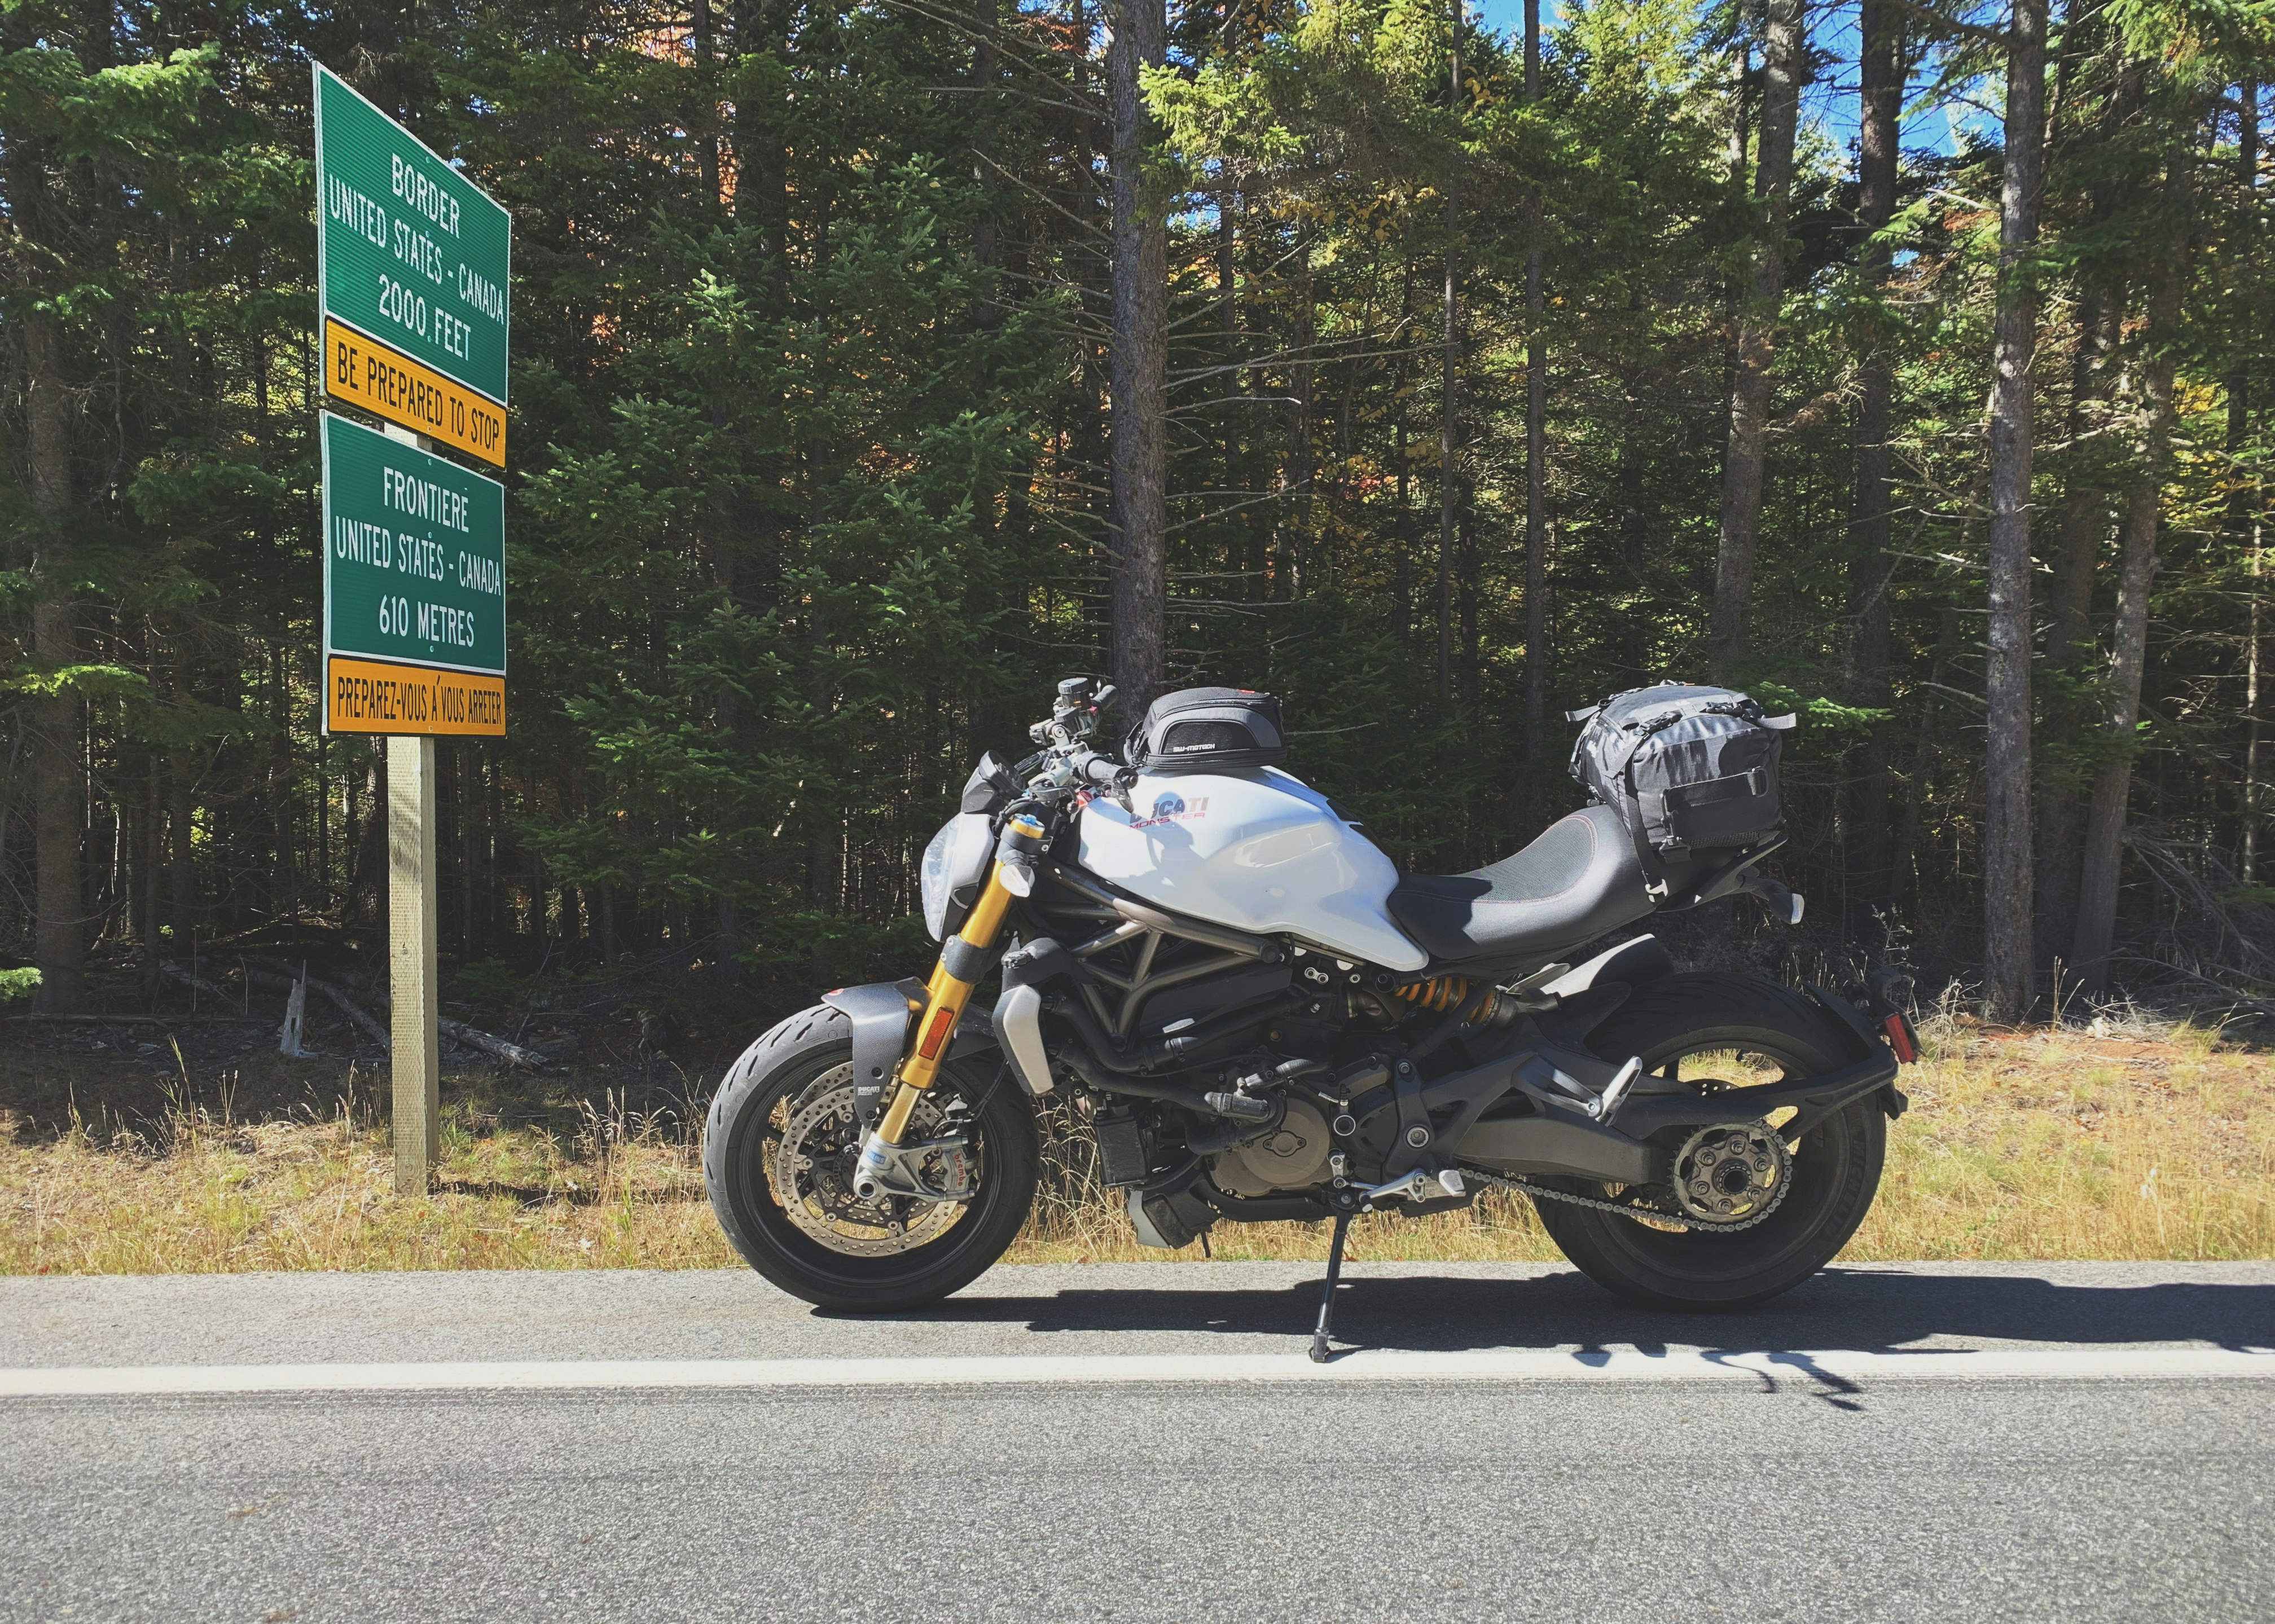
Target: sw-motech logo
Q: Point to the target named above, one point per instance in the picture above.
(1173, 808)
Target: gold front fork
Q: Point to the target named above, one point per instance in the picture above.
(947, 997)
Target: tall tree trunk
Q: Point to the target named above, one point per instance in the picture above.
(1536, 446)
(1299, 468)
(987, 67)
(2113, 781)
(2243, 493)
(761, 150)
(2247, 866)
(1784, 59)
(2069, 610)
(2082, 527)
(1866, 661)
(2007, 959)
(55, 722)
(58, 771)
(1138, 377)
(2251, 497)
(1449, 366)
(703, 33)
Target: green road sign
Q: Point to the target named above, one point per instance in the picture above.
(414, 555)
(409, 252)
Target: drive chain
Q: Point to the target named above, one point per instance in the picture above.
(1641, 1215)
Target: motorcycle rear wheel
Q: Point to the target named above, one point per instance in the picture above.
(1836, 1165)
(838, 1258)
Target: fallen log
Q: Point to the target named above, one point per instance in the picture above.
(505, 1049)
(172, 971)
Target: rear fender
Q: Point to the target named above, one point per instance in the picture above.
(882, 1013)
(1871, 1045)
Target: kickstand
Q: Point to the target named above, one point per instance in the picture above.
(1327, 1299)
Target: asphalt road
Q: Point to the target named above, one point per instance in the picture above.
(2073, 1442)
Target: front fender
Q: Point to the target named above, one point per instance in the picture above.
(882, 1013)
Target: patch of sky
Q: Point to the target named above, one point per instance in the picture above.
(1942, 123)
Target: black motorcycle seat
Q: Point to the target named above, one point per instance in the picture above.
(1578, 879)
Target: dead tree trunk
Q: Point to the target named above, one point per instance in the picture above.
(1138, 368)
(1784, 59)
(2007, 890)
(2113, 781)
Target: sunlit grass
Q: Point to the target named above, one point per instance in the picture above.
(2133, 1143)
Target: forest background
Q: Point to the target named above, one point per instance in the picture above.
(1905, 364)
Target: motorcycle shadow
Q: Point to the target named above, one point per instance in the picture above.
(1877, 1309)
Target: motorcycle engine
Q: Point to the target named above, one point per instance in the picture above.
(1293, 1156)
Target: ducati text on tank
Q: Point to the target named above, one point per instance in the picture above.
(1262, 1019)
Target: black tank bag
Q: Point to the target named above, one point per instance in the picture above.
(1208, 730)
(1691, 771)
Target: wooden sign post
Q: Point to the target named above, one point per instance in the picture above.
(412, 272)
(413, 960)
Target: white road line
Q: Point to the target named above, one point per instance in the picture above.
(1835, 1367)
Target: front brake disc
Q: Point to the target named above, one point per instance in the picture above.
(814, 1175)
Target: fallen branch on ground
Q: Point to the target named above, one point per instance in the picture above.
(172, 971)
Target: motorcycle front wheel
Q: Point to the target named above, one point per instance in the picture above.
(778, 1154)
(1738, 1029)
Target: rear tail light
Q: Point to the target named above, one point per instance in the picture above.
(1901, 1039)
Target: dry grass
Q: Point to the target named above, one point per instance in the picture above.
(2127, 1140)
(2129, 1137)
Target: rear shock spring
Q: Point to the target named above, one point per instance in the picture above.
(1443, 993)
(1439, 992)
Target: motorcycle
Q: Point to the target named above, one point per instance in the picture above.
(1261, 1020)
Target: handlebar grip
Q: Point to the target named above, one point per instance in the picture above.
(1101, 769)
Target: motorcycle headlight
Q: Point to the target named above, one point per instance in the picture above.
(935, 881)
(955, 868)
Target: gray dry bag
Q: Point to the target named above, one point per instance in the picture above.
(1692, 772)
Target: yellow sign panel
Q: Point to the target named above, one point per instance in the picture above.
(376, 696)
(385, 381)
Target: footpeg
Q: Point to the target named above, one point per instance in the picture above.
(1616, 1090)
(1414, 1186)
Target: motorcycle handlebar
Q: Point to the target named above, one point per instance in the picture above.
(1101, 769)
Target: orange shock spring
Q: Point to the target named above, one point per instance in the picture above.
(1439, 992)
(1443, 993)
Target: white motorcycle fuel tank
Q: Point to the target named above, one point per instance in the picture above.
(1256, 850)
